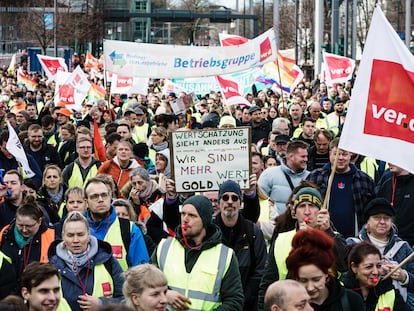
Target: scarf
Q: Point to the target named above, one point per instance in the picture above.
(161, 146)
(77, 262)
(56, 198)
(21, 241)
(146, 194)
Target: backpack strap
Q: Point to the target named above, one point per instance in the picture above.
(289, 180)
(125, 232)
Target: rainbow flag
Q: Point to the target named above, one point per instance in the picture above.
(22, 79)
(282, 74)
(95, 93)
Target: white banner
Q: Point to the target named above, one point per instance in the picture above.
(169, 61)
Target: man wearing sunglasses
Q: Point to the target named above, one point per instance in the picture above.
(244, 237)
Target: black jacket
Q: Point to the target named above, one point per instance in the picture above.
(340, 297)
(48, 155)
(349, 281)
(247, 241)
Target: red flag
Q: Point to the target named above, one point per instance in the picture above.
(98, 146)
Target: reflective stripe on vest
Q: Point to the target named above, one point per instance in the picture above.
(283, 245)
(202, 284)
(46, 238)
(114, 237)
(76, 177)
(103, 285)
(61, 209)
(386, 301)
(4, 257)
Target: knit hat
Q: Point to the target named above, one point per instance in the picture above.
(230, 186)
(229, 120)
(140, 150)
(378, 206)
(308, 194)
(203, 206)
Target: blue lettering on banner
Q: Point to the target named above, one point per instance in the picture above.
(213, 62)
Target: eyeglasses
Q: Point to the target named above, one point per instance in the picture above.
(20, 226)
(95, 196)
(379, 218)
(233, 197)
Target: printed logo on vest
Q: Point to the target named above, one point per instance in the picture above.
(107, 290)
(117, 251)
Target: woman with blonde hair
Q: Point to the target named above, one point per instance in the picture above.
(145, 288)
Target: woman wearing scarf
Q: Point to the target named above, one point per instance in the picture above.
(159, 139)
(51, 194)
(151, 205)
(90, 274)
(27, 238)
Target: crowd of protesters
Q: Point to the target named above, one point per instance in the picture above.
(94, 224)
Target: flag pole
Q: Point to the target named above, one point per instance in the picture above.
(330, 180)
(402, 263)
(280, 76)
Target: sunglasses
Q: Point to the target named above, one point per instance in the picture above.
(233, 197)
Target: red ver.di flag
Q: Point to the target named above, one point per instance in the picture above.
(51, 65)
(230, 91)
(338, 68)
(380, 120)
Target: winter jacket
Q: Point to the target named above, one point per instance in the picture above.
(247, 241)
(120, 175)
(231, 290)
(46, 155)
(363, 188)
(403, 252)
(137, 252)
(8, 284)
(29, 253)
(52, 209)
(339, 298)
(71, 287)
(384, 286)
(403, 194)
(274, 183)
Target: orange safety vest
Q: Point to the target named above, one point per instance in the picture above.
(46, 238)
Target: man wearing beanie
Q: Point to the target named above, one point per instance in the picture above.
(202, 273)
(244, 237)
(306, 209)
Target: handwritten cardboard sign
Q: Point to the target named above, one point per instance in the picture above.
(203, 159)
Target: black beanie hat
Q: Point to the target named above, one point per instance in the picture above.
(203, 206)
(230, 186)
(378, 206)
(140, 150)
